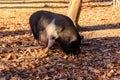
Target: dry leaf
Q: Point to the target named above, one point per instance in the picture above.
(111, 73)
(42, 55)
(102, 77)
(9, 56)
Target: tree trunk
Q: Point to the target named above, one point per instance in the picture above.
(74, 11)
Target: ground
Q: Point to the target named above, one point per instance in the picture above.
(98, 60)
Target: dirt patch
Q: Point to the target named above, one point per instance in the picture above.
(98, 60)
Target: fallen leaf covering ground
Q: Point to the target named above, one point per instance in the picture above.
(99, 60)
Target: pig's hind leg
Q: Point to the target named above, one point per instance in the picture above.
(43, 38)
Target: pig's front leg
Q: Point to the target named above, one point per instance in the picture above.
(50, 44)
(37, 42)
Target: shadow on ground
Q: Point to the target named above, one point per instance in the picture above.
(99, 27)
(32, 2)
(18, 6)
(82, 28)
(14, 33)
(102, 45)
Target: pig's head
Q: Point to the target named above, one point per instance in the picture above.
(74, 46)
(68, 36)
(70, 43)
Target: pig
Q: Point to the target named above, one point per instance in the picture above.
(50, 28)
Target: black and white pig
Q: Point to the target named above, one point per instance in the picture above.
(50, 28)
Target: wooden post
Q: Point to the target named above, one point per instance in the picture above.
(74, 11)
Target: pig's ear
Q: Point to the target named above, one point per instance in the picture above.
(81, 37)
(59, 29)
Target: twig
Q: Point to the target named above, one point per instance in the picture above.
(6, 50)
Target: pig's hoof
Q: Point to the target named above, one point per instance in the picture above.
(46, 50)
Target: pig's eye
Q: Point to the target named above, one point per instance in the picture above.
(52, 37)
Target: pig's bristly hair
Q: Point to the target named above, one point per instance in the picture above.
(51, 30)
